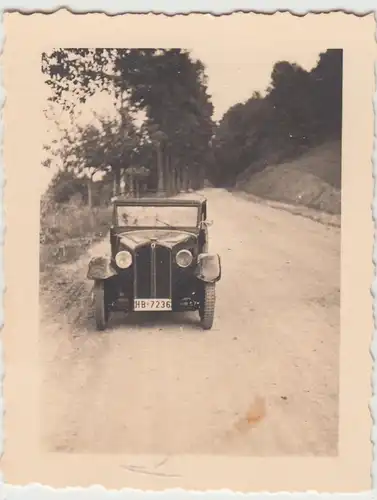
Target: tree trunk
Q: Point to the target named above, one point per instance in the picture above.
(123, 182)
(160, 173)
(189, 179)
(131, 183)
(90, 200)
(116, 185)
(201, 176)
(196, 177)
(173, 180)
(178, 178)
(90, 193)
(167, 172)
(185, 178)
(173, 173)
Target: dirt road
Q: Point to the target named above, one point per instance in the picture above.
(263, 381)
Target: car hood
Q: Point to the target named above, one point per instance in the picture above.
(168, 238)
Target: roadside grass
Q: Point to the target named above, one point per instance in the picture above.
(66, 233)
(68, 230)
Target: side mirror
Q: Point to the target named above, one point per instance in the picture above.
(207, 223)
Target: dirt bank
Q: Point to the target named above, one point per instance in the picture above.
(313, 180)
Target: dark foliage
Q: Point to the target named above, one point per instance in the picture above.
(179, 142)
(300, 110)
(167, 85)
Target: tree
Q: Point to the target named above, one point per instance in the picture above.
(240, 139)
(137, 176)
(300, 109)
(90, 150)
(167, 85)
(64, 185)
(328, 82)
(173, 93)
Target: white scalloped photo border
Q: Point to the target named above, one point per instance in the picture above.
(113, 7)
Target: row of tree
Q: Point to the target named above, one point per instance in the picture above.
(300, 109)
(178, 144)
(169, 151)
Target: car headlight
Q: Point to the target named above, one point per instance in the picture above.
(184, 258)
(123, 259)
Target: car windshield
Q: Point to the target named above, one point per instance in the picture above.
(157, 216)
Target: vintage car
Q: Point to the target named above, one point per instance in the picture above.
(158, 260)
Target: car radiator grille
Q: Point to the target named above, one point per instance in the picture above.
(152, 272)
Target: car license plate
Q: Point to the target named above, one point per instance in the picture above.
(152, 305)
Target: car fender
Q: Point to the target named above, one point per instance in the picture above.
(100, 268)
(208, 267)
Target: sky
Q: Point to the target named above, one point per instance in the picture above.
(233, 75)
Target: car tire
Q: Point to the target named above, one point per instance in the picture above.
(207, 306)
(101, 311)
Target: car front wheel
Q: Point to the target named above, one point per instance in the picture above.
(101, 310)
(207, 306)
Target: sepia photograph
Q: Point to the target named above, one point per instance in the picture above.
(188, 251)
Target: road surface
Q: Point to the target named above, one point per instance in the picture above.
(263, 381)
